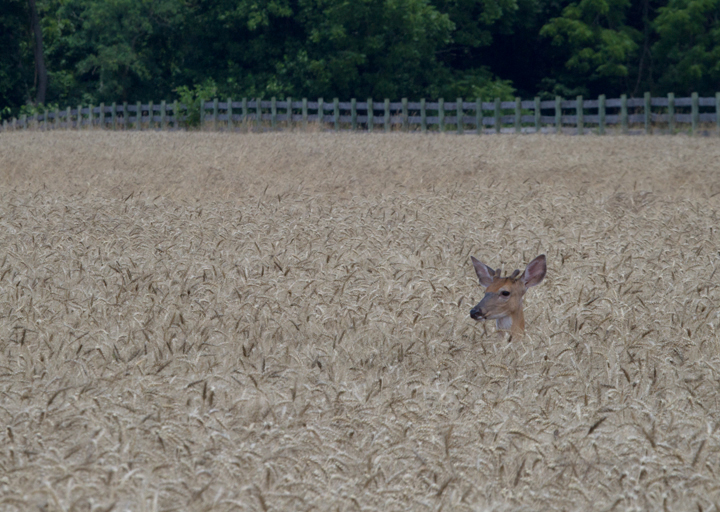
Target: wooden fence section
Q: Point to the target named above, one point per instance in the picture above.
(578, 116)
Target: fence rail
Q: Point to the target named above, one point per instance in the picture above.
(578, 116)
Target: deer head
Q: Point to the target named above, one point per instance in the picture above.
(503, 300)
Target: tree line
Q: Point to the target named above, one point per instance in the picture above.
(65, 52)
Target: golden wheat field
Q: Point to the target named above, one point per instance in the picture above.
(208, 321)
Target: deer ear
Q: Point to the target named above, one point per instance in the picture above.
(485, 274)
(535, 272)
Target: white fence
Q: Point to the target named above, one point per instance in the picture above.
(692, 114)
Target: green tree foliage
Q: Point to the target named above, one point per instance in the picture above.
(16, 64)
(373, 47)
(112, 50)
(688, 46)
(599, 45)
(476, 24)
(239, 44)
(130, 50)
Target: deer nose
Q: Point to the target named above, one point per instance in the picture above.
(476, 313)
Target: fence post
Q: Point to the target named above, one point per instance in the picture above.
(56, 119)
(386, 118)
(353, 114)
(478, 116)
(370, 114)
(601, 114)
(163, 115)
(518, 113)
(243, 113)
(624, 113)
(289, 112)
(91, 116)
(405, 115)
(647, 112)
(321, 112)
(68, 118)
(717, 112)
(498, 117)
(102, 115)
(441, 114)
(24, 121)
(579, 116)
(126, 116)
(671, 113)
(304, 113)
(423, 116)
(694, 112)
(176, 114)
(336, 114)
(138, 116)
(558, 114)
(151, 115)
(273, 113)
(537, 114)
(215, 108)
(258, 114)
(459, 115)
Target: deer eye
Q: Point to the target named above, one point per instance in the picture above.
(505, 293)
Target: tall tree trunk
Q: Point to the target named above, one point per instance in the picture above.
(40, 69)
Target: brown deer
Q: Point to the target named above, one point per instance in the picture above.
(503, 300)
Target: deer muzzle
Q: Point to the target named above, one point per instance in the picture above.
(477, 313)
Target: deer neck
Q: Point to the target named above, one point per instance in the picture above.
(514, 323)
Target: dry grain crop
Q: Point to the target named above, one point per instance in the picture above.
(194, 321)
